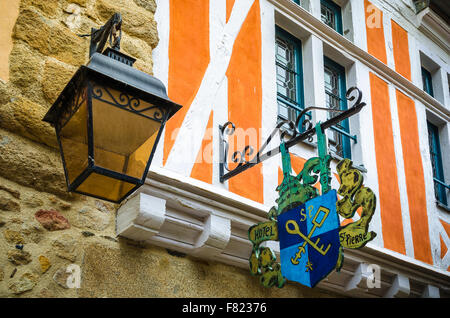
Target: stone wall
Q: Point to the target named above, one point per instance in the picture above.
(43, 228)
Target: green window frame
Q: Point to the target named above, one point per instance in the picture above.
(440, 187)
(331, 15)
(335, 90)
(289, 72)
(427, 82)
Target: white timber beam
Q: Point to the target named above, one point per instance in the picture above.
(214, 237)
(400, 287)
(141, 217)
(431, 291)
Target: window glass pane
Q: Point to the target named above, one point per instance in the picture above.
(288, 79)
(328, 16)
(332, 89)
(436, 163)
(427, 82)
(334, 82)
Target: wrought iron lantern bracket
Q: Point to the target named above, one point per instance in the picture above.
(111, 30)
(240, 157)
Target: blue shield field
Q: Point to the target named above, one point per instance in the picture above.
(309, 240)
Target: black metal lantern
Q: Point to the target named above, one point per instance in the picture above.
(108, 121)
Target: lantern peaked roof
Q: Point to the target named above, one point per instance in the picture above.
(115, 67)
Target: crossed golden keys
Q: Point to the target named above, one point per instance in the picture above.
(296, 230)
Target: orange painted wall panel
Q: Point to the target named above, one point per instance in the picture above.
(188, 59)
(245, 99)
(203, 169)
(444, 248)
(401, 50)
(230, 4)
(446, 227)
(415, 183)
(389, 195)
(376, 44)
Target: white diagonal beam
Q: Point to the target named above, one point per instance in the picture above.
(189, 138)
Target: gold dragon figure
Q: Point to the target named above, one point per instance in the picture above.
(354, 196)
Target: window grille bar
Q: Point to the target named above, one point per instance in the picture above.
(442, 183)
(345, 133)
(284, 67)
(289, 102)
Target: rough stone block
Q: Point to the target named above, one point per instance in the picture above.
(56, 75)
(13, 237)
(66, 46)
(32, 165)
(52, 220)
(149, 5)
(8, 204)
(24, 117)
(19, 257)
(14, 193)
(32, 28)
(45, 263)
(50, 8)
(50, 38)
(137, 48)
(25, 71)
(82, 3)
(91, 218)
(26, 282)
(65, 247)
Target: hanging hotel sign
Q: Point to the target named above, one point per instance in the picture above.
(306, 222)
(308, 228)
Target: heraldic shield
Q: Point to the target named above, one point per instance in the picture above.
(309, 240)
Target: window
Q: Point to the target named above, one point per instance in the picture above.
(288, 61)
(433, 77)
(331, 15)
(335, 90)
(427, 82)
(302, 3)
(436, 163)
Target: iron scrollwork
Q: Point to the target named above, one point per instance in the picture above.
(73, 104)
(128, 102)
(293, 135)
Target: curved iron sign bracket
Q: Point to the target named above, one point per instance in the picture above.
(353, 94)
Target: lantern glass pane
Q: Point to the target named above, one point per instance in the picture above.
(125, 129)
(74, 140)
(105, 187)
